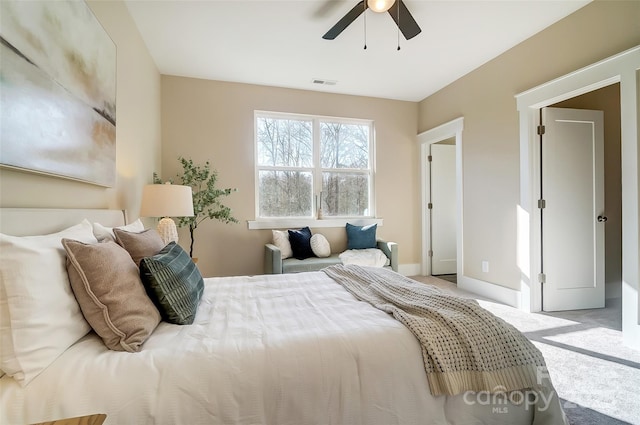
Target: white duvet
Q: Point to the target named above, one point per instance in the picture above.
(279, 349)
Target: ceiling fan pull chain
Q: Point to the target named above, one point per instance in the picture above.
(398, 6)
(365, 26)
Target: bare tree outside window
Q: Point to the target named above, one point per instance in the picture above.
(286, 194)
(344, 146)
(344, 153)
(285, 143)
(299, 157)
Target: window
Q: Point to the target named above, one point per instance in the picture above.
(305, 162)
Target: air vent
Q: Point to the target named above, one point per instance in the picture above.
(324, 82)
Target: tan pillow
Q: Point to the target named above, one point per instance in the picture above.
(107, 285)
(281, 240)
(139, 245)
(103, 232)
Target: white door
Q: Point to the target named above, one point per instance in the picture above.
(573, 216)
(443, 208)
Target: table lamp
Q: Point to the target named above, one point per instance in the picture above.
(166, 201)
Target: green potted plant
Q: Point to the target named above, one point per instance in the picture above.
(206, 196)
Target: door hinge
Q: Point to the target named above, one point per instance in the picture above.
(430, 253)
(542, 278)
(429, 158)
(541, 130)
(430, 206)
(542, 203)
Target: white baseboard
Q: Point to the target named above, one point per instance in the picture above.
(630, 325)
(490, 290)
(409, 269)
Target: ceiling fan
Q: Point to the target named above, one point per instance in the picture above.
(396, 8)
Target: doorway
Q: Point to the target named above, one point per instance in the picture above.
(451, 132)
(607, 99)
(623, 68)
(442, 209)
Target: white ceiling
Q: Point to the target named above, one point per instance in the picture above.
(279, 43)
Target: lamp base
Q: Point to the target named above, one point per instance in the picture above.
(168, 230)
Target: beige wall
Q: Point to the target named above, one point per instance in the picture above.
(211, 120)
(607, 99)
(485, 98)
(138, 132)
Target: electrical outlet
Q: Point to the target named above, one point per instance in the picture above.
(485, 267)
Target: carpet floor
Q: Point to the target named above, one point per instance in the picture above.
(597, 377)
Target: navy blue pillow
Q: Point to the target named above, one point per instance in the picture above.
(301, 243)
(361, 237)
(174, 284)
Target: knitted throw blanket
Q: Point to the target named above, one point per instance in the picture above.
(464, 347)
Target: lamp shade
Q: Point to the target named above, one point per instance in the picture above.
(380, 5)
(166, 200)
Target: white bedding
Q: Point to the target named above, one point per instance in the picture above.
(278, 349)
(372, 257)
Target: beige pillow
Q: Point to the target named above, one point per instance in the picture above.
(107, 285)
(139, 245)
(103, 232)
(281, 240)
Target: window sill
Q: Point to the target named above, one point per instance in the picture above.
(287, 223)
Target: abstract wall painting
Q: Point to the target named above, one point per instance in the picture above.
(57, 91)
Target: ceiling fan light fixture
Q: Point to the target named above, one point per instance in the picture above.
(396, 9)
(380, 5)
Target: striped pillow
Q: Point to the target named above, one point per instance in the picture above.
(174, 284)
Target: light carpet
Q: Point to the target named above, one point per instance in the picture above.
(596, 376)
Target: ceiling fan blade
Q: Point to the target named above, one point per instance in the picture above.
(408, 26)
(345, 21)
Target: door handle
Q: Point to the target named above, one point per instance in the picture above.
(602, 219)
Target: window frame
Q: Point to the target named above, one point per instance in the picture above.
(317, 175)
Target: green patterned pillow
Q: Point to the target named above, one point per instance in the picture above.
(174, 284)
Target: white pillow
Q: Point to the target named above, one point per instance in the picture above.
(320, 245)
(106, 233)
(281, 240)
(39, 313)
(364, 257)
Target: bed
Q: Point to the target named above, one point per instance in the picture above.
(274, 349)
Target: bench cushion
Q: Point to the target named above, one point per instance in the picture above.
(273, 262)
(293, 265)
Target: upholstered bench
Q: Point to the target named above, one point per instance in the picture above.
(274, 264)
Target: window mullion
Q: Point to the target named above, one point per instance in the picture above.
(317, 172)
(346, 170)
(283, 168)
(372, 171)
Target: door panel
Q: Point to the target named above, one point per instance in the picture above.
(443, 212)
(573, 190)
